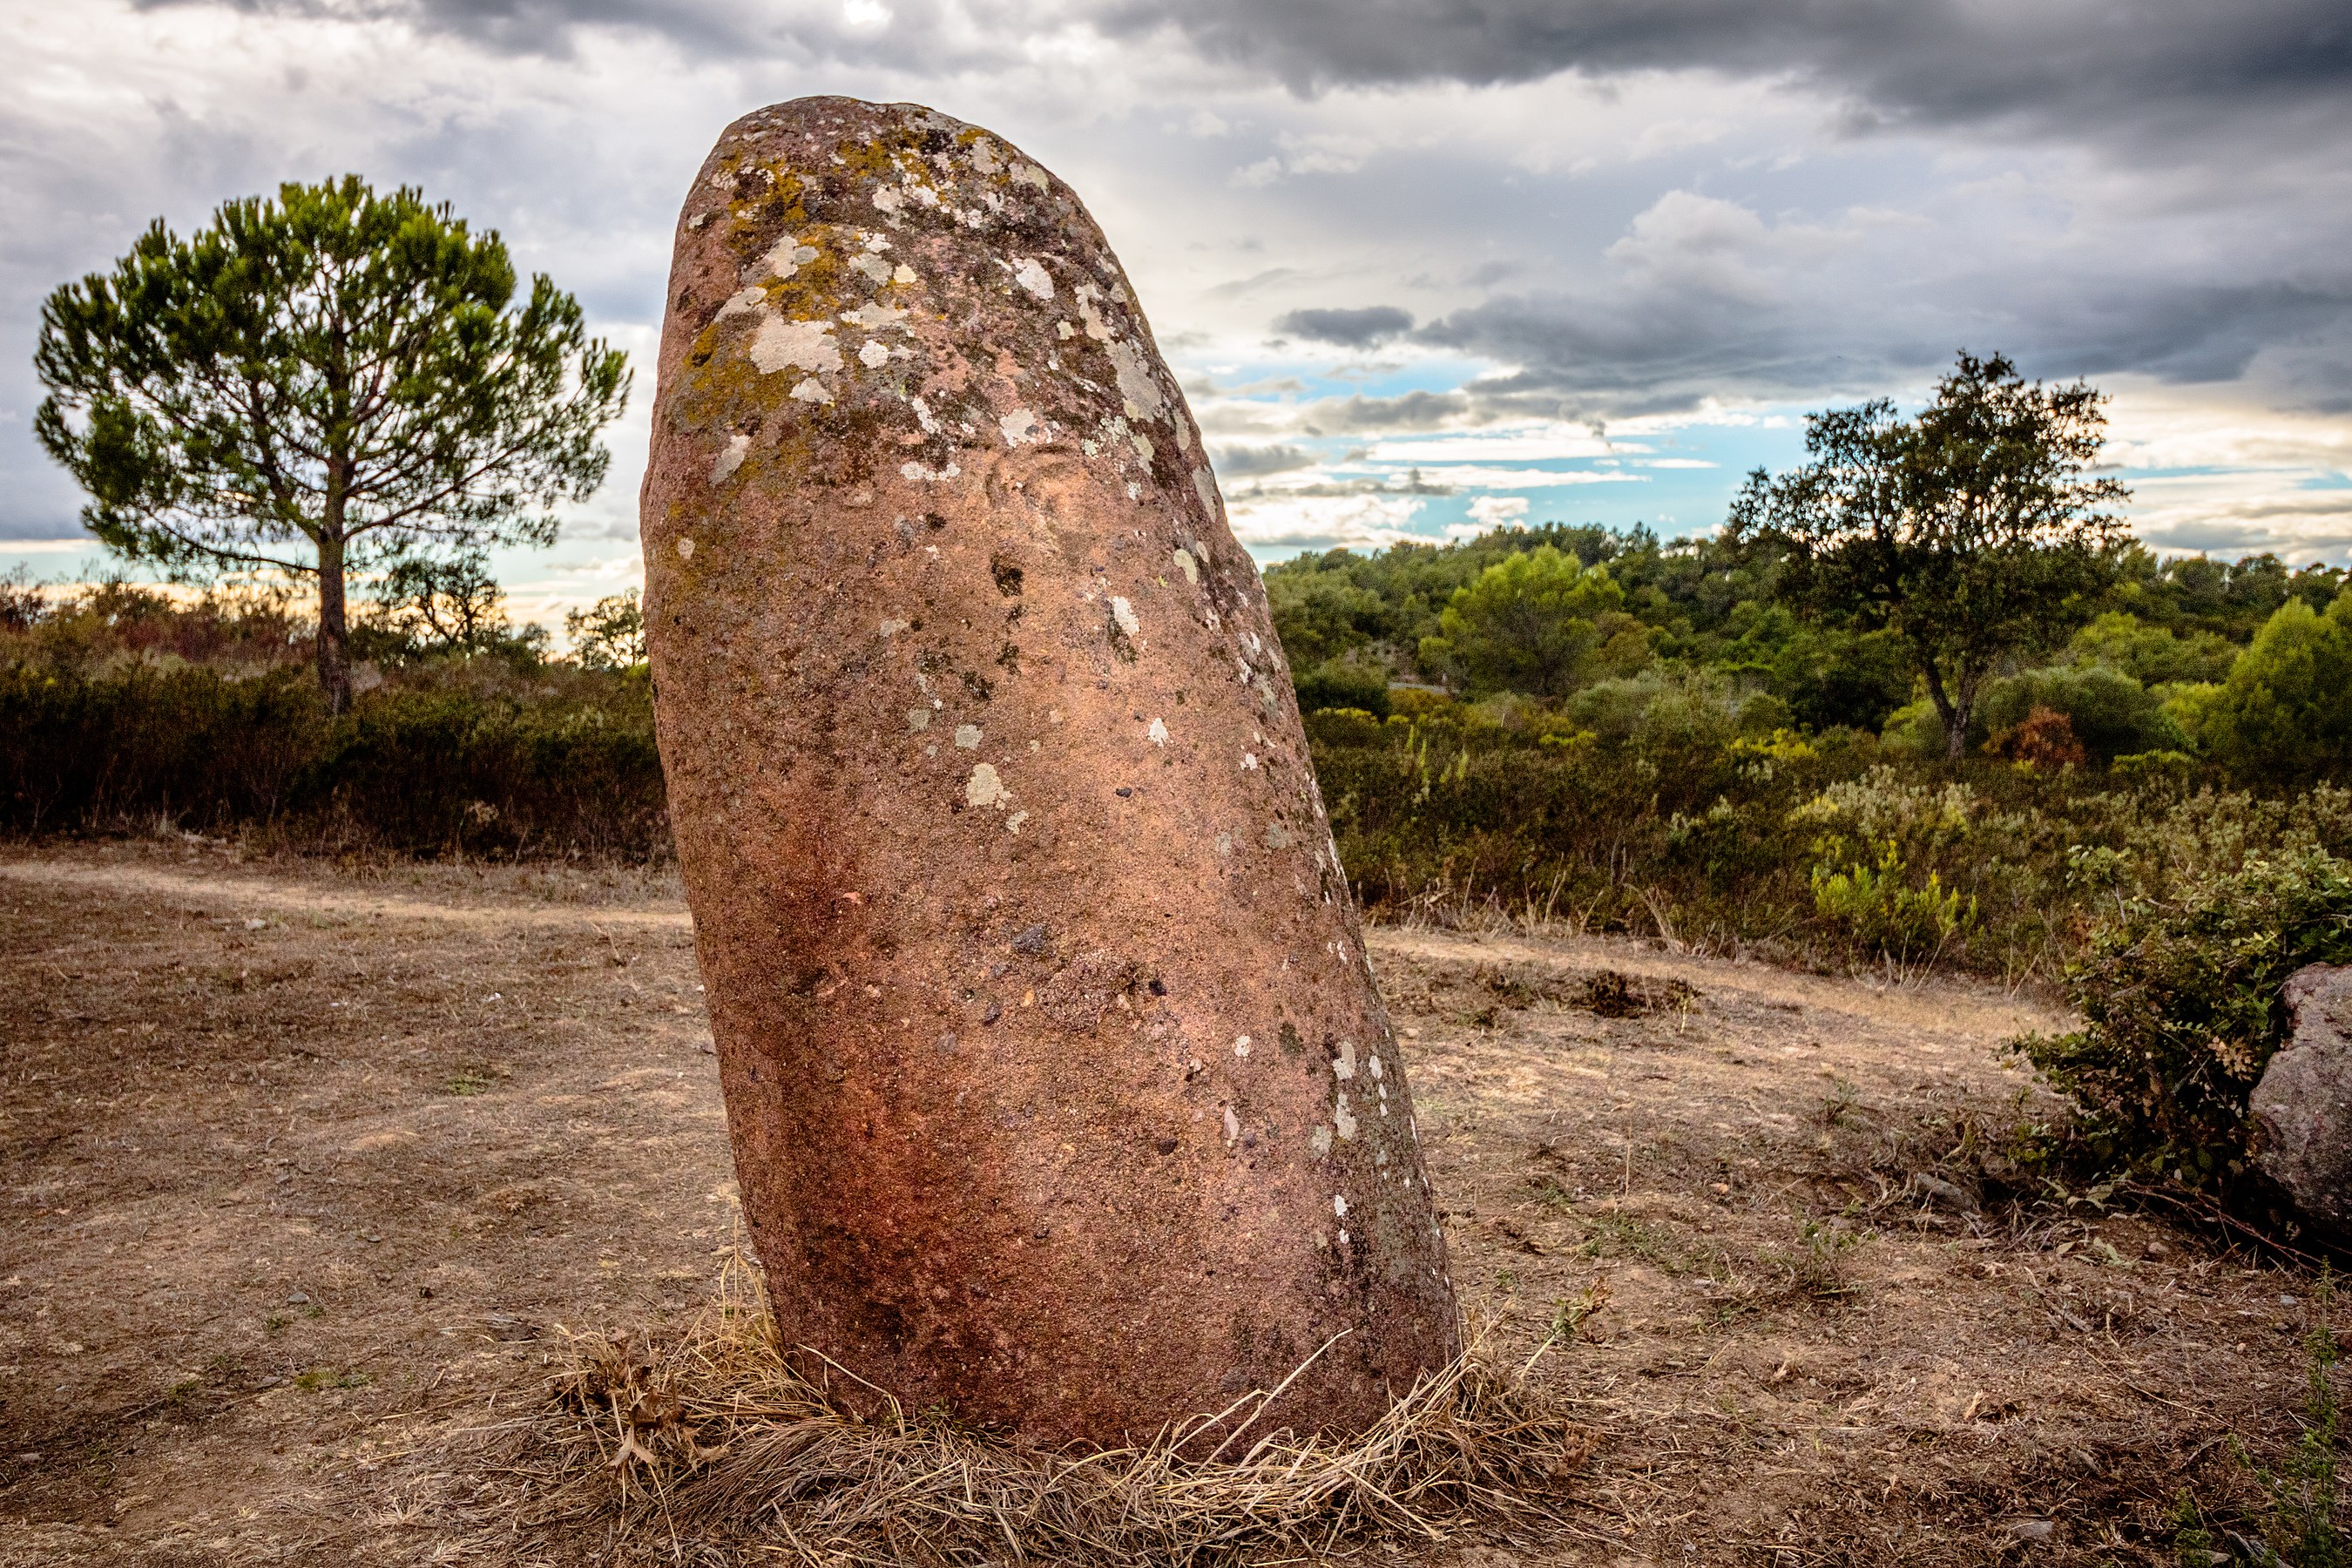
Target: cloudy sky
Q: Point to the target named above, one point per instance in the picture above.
(1423, 265)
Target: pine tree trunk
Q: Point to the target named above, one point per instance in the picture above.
(334, 637)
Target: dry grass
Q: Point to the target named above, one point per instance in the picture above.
(716, 1439)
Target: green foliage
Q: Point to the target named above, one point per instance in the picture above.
(424, 605)
(2152, 655)
(315, 382)
(2284, 711)
(610, 634)
(1971, 532)
(1540, 623)
(1885, 913)
(2182, 1002)
(2110, 713)
(1344, 683)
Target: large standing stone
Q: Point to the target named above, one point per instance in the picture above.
(1059, 1085)
(2301, 1105)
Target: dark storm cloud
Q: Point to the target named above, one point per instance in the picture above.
(1355, 329)
(1662, 349)
(1413, 411)
(2079, 62)
(1248, 462)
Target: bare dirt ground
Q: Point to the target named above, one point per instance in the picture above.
(306, 1168)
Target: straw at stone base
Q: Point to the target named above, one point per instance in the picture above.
(717, 1439)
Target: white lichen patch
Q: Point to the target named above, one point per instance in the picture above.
(1032, 276)
(738, 448)
(1186, 564)
(1343, 1066)
(891, 628)
(1321, 1141)
(919, 719)
(967, 737)
(873, 316)
(1143, 445)
(984, 156)
(874, 268)
(1013, 823)
(782, 343)
(1341, 1117)
(788, 257)
(1158, 733)
(984, 788)
(903, 276)
(812, 390)
(1374, 1063)
(743, 301)
(924, 417)
(1029, 175)
(873, 356)
(924, 473)
(1122, 615)
(1137, 384)
(1249, 762)
(1206, 484)
(1339, 1205)
(887, 199)
(685, 548)
(1020, 427)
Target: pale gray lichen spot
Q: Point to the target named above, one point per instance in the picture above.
(685, 548)
(1013, 823)
(1320, 1142)
(1207, 486)
(919, 719)
(967, 737)
(1032, 276)
(887, 199)
(873, 267)
(984, 156)
(873, 316)
(1375, 1065)
(1143, 445)
(873, 356)
(1277, 835)
(926, 474)
(891, 628)
(1242, 1046)
(1224, 844)
(1249, 762)
(902, 275)
(1122, 615)
(812, 390)
(731, 459)
(984, 788)
(924, 417)
(1341, 1117)
(1029, 175)
(788, 255)
(1019, 426)
(782, 343)
(1186, 564)
(1343, 1066)
(743, 301)
(1137, 384)
(1158, 733)
(1339, 1205)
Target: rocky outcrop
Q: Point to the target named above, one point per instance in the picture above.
(1059, 1088)
(2301, 1105)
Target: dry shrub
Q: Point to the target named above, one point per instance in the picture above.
(716, 1441)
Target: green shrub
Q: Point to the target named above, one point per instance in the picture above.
(2111, 713)
(2284, 713)
(1344, 683)
(1539, 622)
(1878, 903)
(2182, 1004)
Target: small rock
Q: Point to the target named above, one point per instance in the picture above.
(297, 1300)
(2032, 1529)
(1941, 1194)
(2302, 1106)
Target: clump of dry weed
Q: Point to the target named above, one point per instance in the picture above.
(716, 1440)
